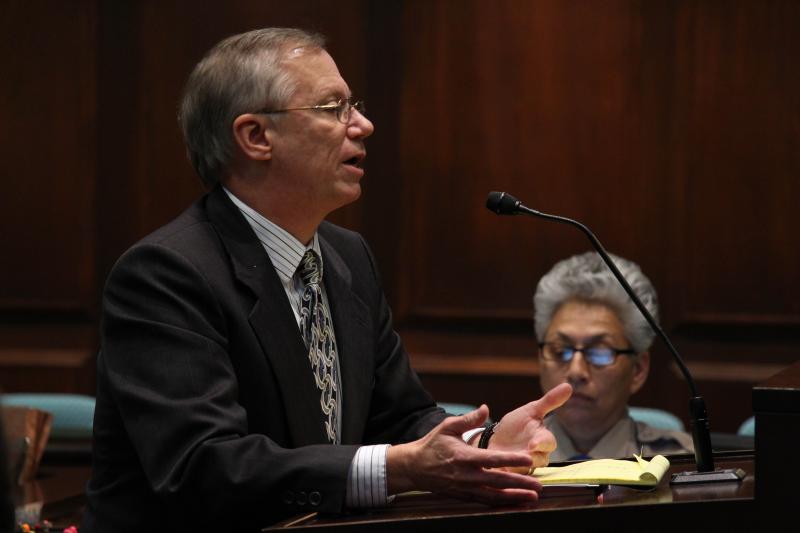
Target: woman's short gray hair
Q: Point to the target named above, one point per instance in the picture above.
(241, 74)
(586, 278)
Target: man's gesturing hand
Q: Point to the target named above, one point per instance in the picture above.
(442, 462)
(522, 430)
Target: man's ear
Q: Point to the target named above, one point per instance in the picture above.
(253, 136)
(641, 368)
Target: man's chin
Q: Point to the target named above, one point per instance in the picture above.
(346, 195)
(350, 193)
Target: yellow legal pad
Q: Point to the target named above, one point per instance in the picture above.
(606, 472)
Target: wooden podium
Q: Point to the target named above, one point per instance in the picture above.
(776, 404)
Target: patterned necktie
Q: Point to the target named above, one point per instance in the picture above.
(317, 330)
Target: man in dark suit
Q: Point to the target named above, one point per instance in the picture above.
(248, 367)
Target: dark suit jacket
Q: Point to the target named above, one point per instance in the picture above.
(207, 414)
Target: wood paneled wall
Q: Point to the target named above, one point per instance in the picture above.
(48, 114)
(670, 128)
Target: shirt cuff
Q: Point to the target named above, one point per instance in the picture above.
(366, 479)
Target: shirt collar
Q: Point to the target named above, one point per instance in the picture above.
(283, 249)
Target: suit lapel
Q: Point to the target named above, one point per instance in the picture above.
(272, 320)
(351, 324)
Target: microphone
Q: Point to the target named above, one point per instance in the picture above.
(503, 203)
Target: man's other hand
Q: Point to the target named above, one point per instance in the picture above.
(443, 463)
(522, 430)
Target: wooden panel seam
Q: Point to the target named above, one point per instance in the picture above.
(24, 357)
(727, 371)
(428, 363)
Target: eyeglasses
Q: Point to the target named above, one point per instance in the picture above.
(597, 356)
(343, 109)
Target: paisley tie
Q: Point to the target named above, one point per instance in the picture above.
(317, 330)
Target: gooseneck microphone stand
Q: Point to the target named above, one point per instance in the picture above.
(504, 204)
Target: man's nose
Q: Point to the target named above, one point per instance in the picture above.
(359, 126)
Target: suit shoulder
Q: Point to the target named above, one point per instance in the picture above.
(190, 236)
(189, 225)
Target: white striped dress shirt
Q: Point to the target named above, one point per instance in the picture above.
(366, 479)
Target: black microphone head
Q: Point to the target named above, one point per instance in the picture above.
(502, 203)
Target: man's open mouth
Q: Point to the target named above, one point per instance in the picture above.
(355, 161)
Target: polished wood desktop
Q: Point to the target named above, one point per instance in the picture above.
(725, 504)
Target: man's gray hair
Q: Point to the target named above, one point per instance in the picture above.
(586, 278)
(241, 74)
